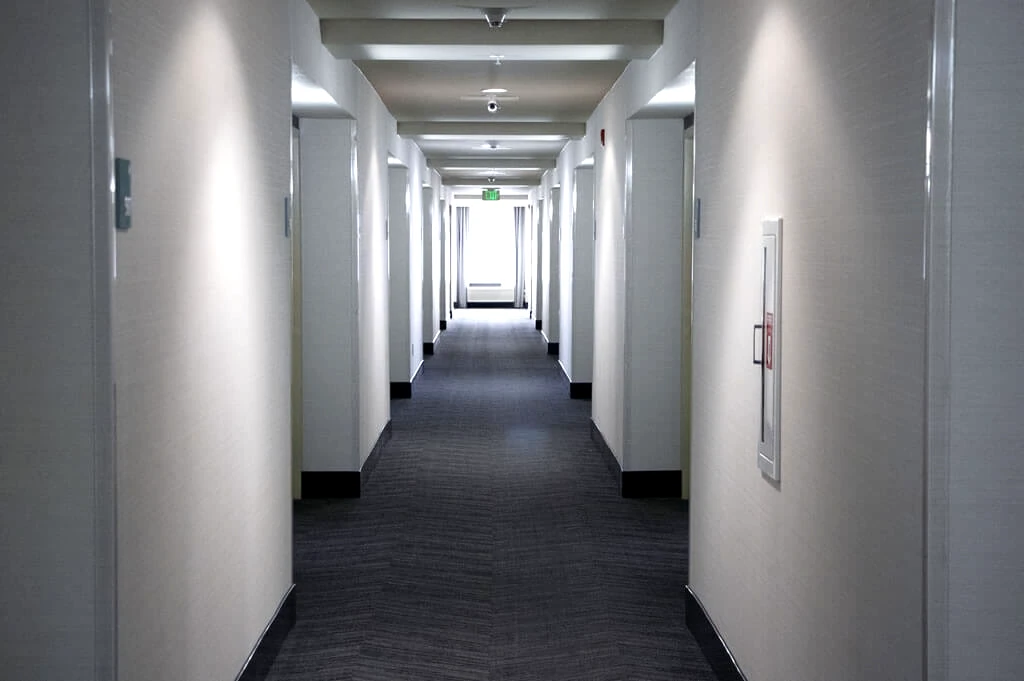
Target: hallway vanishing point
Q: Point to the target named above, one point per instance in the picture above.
(491, 542)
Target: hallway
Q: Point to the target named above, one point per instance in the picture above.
(491, 541)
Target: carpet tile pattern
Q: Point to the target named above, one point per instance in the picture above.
(491, 543)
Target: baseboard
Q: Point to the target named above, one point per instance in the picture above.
(330, 484)
(540, 325)
(581, 391)
(614, 467)
(565, 374)
(263, 654)
(577, 390)
(344, 484)
(647, 484)
(491, 306)
(401, 390)
(371, 461)
(710, 641)
(552, 348)
(444, 324)
(428, 348)
(637, 484)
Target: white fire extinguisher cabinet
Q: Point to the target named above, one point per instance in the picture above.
(768, 332)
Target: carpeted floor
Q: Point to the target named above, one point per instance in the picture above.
(491, 542)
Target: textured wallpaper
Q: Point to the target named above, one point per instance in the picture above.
(816, 112)
(202, 333)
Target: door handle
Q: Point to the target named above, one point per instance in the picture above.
(758, 327)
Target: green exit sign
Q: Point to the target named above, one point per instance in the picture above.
(492, 195)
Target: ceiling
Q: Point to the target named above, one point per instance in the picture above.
(429, 60)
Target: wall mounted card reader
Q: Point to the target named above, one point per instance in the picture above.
(769, 440)
(122, 193)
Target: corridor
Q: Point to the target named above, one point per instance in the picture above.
(491, 541)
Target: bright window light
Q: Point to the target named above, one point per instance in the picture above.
(491, 245)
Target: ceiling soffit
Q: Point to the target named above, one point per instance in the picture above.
(432, 62)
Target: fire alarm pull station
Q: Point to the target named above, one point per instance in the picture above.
(769, 442)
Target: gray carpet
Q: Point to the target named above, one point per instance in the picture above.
(491, 542)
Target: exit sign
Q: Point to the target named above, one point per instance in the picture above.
(492, 195)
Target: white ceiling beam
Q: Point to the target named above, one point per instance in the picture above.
(503, 162)
(491, 130)
(434, 39)
(456, 181)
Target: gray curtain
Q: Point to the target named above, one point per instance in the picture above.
(461, 226)
(520, 221)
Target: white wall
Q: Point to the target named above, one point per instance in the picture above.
(431, 267)
(538, 260)
(446, 257)
(376, 134)
(583, 276)
(576, 324)
(410, 298)
(814, 111)
(565, 227)
(406, 252)
(551, 260)
(653, 312)
(400, 237)
(986, 472)
(330, 314)
(202, 333)
(641, 81)
(56, 448)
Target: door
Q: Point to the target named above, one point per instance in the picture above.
(296, 237)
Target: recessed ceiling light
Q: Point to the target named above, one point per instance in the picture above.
(494, 91)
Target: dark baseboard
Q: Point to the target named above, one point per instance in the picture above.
(428, 348)
(491, 305)
(581, 391)
(257, 667)
(638, 484)
(401, 390)
(540, 325)
(371, 461)
(645, 484)
(330, 484)
(444, 324)
(606, 453)
(344, 484)
(552, 348)
(709, 640)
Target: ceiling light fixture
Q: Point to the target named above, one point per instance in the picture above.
(495, 16)
(494, 91)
